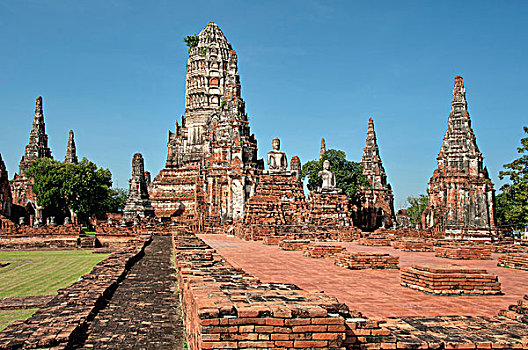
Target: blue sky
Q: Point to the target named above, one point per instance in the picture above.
(114, 72)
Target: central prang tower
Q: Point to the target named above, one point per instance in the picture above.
(211, 164)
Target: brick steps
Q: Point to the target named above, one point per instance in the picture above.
(514, 261)
(365, 261)
(464, 252)
(450, 280)
(294, 244)
(322, 251)
(408, 245)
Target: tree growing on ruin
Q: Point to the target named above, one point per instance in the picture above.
(349, 174)
(191, 41)
(416, 206)
(512, 202)
(81, 188)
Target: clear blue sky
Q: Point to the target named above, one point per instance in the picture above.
(114, 72)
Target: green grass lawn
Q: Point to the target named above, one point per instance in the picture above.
(40, 273)
(9, 316)
(43, 272)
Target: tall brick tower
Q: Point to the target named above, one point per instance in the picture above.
(212, 155)
(460, 190)
(377, 209)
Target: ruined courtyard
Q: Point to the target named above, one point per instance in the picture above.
(223, 250)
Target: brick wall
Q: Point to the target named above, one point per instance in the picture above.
(225, 308)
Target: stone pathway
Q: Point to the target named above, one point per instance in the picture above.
(144, 312)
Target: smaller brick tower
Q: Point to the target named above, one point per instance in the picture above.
(377, 209)
(37, 146)
(138, 203)
(24, 201)
(71, 150)
(5, 191)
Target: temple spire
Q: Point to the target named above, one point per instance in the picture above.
(459, 94)
(37, 146)
(459, 151)
(460, 190)
(378, 207)
(71, 150)
(371, 159)
(323, 149)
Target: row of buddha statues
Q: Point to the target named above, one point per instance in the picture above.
(278, 163)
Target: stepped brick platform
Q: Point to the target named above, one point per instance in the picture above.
(274, 240)
(292, 244)
(450, 280)
(378, 241)
(364, 261)
(278, 200)
(509, 248)
(518, 312)
(328, 209)
(322, 251)
(225, 308)
(413, 245)
(173, 191)
(473, 252)
(62, 320)
(514, 261)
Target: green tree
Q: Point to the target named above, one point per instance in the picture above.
(80, 188)
(116, 200)
(191, 41)
(512, 202)
(349, 174)
(416, 206)
(48, 178)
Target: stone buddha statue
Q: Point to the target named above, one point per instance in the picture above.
(329, 179)
(277, 159)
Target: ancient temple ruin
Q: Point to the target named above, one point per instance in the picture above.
(279, 198)
(461, 193)
(37, 146)
(138, 203)
(212, 163)
(71, 150)
(24, 201)
(377, 208)
(5, 191)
